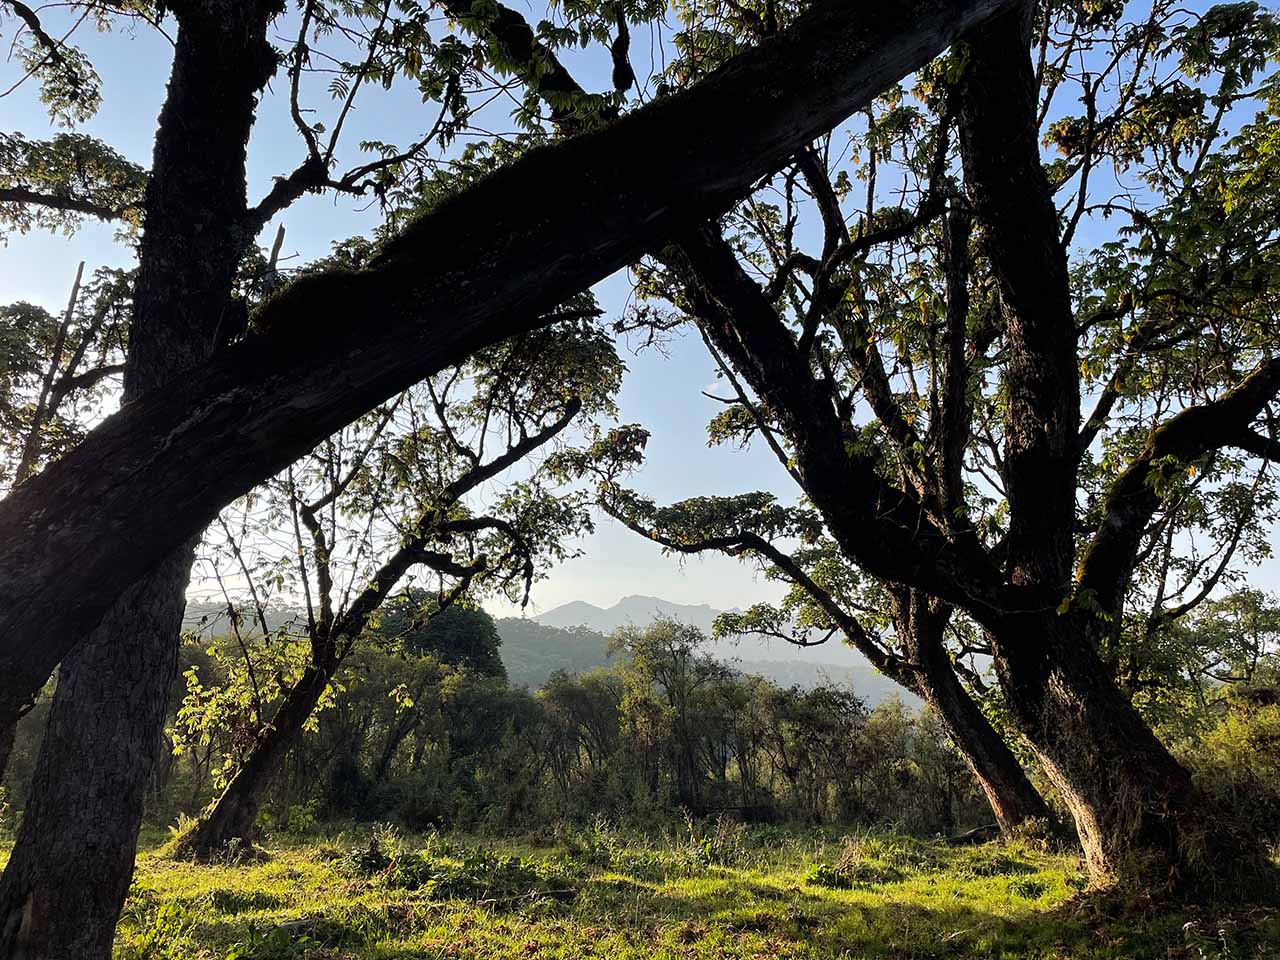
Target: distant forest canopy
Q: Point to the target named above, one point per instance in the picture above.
(574, 638)
(428, 727)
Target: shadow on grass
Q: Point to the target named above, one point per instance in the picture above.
(906, 920)
(1000, 903)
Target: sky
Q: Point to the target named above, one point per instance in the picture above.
(662, 389)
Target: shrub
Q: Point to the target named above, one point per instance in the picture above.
(1237, 762)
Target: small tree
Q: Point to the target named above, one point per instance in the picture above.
(321, 532)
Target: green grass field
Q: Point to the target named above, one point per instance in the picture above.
(763, 894)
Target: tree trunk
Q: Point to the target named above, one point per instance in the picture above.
(70, 869)
(405, 725)
(232, 821)
(921, 623)
(8, 731)
(1013, 798)
(62, 892)
(1141, 820)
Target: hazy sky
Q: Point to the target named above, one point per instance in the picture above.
(662, 390)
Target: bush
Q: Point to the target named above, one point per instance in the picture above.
(1237, 762)
(445, 873)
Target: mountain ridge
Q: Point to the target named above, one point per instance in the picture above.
(783, 662)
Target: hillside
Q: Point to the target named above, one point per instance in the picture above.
(572, 637)
(532, 651)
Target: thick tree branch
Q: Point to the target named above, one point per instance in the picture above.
(53, 48)
(951, 436)
(1135, 495)
(83, 381)
(516, 42)
(1250, 441)
(514, 454)
(480, 268)
(885, 530)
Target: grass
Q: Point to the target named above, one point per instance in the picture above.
(725, 893)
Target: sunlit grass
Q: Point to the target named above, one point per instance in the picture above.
(772, 894)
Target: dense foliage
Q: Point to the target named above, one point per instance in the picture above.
(413, 731)
(421, 727)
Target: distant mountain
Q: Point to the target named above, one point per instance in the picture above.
(636, 611)
(640, 611)
(776, 659)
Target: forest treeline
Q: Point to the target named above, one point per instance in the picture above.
(427, 731)
(423, 728)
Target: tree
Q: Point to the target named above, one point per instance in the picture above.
(666, 675)
(461, 637)
(905, 641)
(419, 461)
(458, 636)
(922, 667)
(56, 370)
(77, 839)
(962, 477)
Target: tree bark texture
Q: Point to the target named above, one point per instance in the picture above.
(1141, 821)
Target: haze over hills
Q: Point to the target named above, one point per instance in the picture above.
(574, 638)
(782, 662)
(639, 611)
